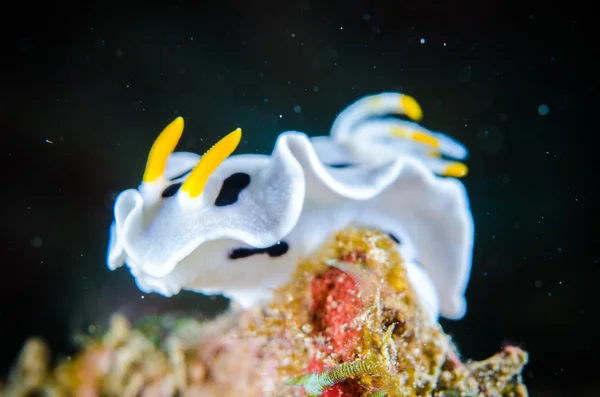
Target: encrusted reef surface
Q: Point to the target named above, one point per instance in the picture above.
(348, 324)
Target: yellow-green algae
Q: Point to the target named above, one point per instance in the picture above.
(254, 353)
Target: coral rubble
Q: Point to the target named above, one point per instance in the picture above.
(349, 323)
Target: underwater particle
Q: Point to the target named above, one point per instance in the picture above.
(36, 242)
(538, 283)
(543, 109)
(366, 16)
(464, 74)
(490, 139)
(505, 178)
(315, 88)
(281, 116)
(297, 109)
(422, 40)
(119, 53)
(562, 100)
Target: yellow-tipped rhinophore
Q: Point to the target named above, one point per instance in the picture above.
(456, 170)
(194, 184)
(418, 136)
(411, 107)
(426, 139)
(161, 149)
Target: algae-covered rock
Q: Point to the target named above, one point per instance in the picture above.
(349, 323)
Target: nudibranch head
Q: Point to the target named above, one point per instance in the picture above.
(191, 213)
(237, 225)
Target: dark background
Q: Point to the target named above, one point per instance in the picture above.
(85, 90)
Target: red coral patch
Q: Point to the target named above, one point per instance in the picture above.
(335, 305)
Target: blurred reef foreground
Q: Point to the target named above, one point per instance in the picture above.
(348, 324)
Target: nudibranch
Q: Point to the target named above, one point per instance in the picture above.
(236, 224)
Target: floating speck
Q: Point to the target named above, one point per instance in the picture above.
(143, 296)
(341, 28)
(49, 141)
(297, 108)
(422, 40)
(293, 35)
(366, 16)
(543, 110)
(315, 88)
(538, 284)
(444, 44)
(119, 53)
(281, 116)
(36, 242)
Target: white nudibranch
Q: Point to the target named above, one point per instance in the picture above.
(237, 225)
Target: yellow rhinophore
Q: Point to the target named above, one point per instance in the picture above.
(194, 184)
(417, 136)
(411, 107)
(456, 170)
(161, 149)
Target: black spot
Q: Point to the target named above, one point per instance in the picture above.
(240, 253)
(273, 251)
(341, 165)
(389, 116)
(393, 237)
(182, 175)
(278, 249)
(231, 188)
(171, 190)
